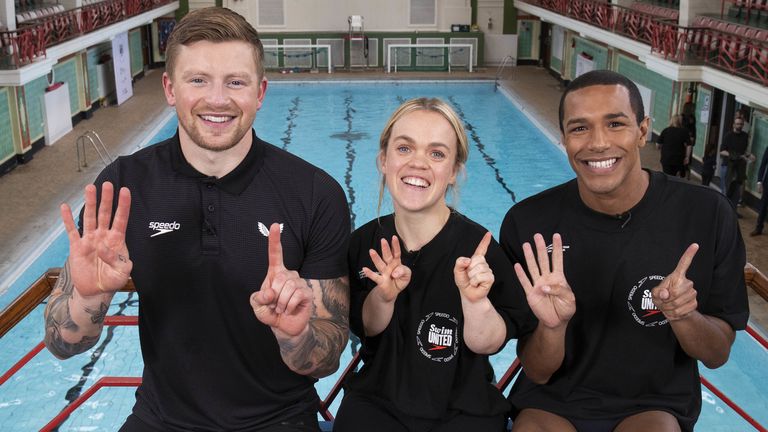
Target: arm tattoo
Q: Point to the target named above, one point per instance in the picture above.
(58, 320)
(317, 352)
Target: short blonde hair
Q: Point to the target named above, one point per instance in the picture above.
(676, 120)
(213, 24)
(433, 105)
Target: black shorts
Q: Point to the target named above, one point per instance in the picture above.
(299, 423)
(360, 412)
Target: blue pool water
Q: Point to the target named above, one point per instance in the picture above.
(337, 126)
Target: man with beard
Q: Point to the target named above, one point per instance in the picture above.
(231, 338)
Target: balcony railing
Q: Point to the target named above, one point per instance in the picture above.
(29, 42)
(736, 49)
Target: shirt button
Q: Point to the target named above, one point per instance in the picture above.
(211, 207)
(209, 186)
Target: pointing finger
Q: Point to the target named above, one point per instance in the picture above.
(482, 248)
(686, 259)
(275, 247)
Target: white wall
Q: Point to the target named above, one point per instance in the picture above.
(493, 10)
(200, 4)
(690, 8)
(331, 15)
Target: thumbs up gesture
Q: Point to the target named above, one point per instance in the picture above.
(675, 296)
(284, 301)
(472, 275)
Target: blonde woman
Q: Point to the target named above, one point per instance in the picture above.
(431, 291)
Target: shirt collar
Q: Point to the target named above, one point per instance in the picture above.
(235, 181)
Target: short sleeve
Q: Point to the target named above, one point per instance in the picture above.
(326, 250)
(508, 297)
(727, 299)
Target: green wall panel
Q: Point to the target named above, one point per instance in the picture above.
(67, 72)
(94, 53)
(703, 103)
(6, 139)
(662, 88)
(759, 145)
(524, 39)
(137, 59)
(510, 18)
(598, 53)
(33, 92)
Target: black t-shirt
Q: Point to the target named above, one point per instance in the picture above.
(674, 144)
(736, 145)
(419, 363)
(621, 356)
(199, 250)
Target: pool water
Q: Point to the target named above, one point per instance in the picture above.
(337, 127)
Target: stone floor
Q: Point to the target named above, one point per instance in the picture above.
(31, 193)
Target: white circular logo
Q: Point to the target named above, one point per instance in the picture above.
(438, 337)
(640, 303)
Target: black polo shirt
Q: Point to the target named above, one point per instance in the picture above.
(199, 248)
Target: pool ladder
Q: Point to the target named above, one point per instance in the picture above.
(508, 59)
(92, 137)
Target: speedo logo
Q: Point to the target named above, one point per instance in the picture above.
(164, 227)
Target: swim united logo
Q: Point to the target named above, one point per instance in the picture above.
(640, 302)
(437, 337)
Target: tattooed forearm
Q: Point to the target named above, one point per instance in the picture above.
(317, 351)
(63, 336)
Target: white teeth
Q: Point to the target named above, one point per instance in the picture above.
(416, 181)
(215, 119)
(602, 164)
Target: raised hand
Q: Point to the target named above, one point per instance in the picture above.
(98, 259)
(675, 296)
(548, 293)
(473, 276)
(284, 301)
(391, 276)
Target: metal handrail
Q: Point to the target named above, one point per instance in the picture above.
(500, 69)
(97, 145)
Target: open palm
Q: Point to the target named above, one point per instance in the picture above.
(99, 257)
(547, 291)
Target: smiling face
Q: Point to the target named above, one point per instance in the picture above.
(603, 141)
(419, 162)
(217, 91)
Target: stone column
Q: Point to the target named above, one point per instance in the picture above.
(690, 8)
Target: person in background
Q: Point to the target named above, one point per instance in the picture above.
(432, 294)
(689, 123)
(708, 163)
(676, 147)
(640, 287)
(237, 250)
(762, 179)
(734, 142)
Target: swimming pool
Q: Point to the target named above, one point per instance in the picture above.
(336, 126)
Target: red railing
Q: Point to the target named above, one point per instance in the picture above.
(753, 277)
(735, 48)
(29, 42)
